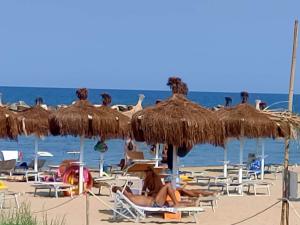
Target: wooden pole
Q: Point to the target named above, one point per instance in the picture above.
(293, 67)
(87, 209)
(285, 194)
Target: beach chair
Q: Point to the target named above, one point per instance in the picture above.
(254, 169)
(27, 170)
(57, 187)
(7, 166)
(258, 184)
(127, 209)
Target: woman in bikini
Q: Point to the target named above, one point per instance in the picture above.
(160, 200)
(153, 184)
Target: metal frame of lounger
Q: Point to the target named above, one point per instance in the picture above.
(256, 184)
(228, 186)
(56, 186)
(124, 206)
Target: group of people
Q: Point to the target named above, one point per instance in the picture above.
(154, 191)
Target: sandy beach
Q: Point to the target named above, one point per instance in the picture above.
(230, 210)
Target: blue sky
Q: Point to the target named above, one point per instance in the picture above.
(133, 44)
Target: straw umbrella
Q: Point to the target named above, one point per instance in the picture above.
(86, 121)
(8, 124)
(177, 121)
(34, 121)
(243, 121)
(111, 124)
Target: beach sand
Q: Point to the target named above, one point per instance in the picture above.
(230, 209)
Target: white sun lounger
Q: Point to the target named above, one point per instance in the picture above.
(56, 186)
(127, 208)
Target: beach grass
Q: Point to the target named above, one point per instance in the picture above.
(24, 216)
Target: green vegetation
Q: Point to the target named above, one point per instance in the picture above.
(23, 216)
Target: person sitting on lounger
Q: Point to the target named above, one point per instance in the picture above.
(160, 200)
(153, 184)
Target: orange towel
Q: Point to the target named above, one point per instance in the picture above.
(173, 216)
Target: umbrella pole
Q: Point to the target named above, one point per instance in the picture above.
(175, 169)
(257, 146)
(262, 161)
(241, 160)
(36, 148)
(225, 161)
(156, 155)
(81, 165)
(101, 164)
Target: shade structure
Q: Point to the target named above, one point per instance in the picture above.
(246, 121)
(34, 121)
(85, 120)
(177, 121)
(8, 124)
(112, 124)
(243, 121)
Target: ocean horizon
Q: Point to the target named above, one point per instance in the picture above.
(201, 155)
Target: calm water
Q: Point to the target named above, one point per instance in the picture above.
(200, 155)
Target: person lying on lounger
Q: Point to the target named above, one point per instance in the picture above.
(160, 200)
(153, 184)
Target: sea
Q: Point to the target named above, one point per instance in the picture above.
(201, 155)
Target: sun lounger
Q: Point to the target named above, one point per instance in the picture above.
(7, 166)
(202, 201)
(105, 181)
(231, 188)
(257, 184)
(56, 186)
(274, 169)
(125, 207)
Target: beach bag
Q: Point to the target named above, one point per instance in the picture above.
(101, 147)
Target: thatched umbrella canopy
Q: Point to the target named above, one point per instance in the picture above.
(85, 120)
(111, 124)
(8, 124)
(34, 121)
(75, 119)
(244, 120)
(177, 121)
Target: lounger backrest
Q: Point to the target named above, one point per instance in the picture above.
(135, 155)
(7, 165)
(121, 197)
(7, 155)
(41, 163)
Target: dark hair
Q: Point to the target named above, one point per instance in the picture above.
(114, 189)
